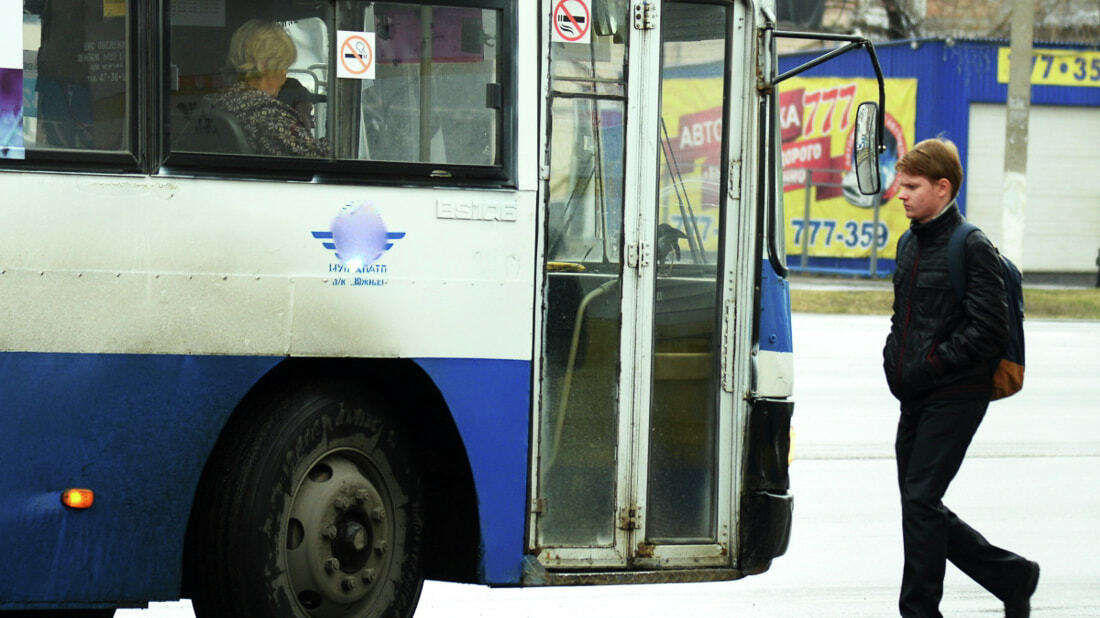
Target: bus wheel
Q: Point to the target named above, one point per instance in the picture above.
(314, 512)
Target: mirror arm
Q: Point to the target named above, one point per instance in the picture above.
(816, 61)
(854, 42)
(880, 121)
(772, 193)
(768, 158)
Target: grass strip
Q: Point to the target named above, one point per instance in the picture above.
(1071, 304)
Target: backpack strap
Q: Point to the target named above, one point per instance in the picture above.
(906, 236)
(956, 258)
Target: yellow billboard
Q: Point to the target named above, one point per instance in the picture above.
(826, 216)
(1055, 67)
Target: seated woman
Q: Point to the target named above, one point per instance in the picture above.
(261, 52)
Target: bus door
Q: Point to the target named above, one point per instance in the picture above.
(635, 435)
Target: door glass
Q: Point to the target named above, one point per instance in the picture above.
(682, 494)
(583, 319)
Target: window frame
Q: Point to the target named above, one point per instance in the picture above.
(501, 174)
(133, 157)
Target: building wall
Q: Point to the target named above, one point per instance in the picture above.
(954, 77)
(1062, 207)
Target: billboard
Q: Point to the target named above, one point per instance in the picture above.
(691, 154)
(826, 216)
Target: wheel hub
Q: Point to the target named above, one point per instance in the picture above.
(353, 542)
(338, 536)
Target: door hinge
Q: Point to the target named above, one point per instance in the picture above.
(630, 517)
(538, 506)
(645, 15)
(729, 317)
(637, 254)
(734, 188)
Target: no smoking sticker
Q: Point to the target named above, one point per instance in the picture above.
(572, 22)
(354, 54)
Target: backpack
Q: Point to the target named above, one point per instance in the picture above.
(1008, 374)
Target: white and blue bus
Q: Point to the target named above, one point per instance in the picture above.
(525, 323)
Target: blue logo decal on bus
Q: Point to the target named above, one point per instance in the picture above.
(326, 240)
(358, 238)
(359, 235)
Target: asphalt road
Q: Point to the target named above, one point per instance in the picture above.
(1029, 483)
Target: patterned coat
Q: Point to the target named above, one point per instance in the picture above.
(272, 127)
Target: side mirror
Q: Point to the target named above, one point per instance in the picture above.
(865, 152)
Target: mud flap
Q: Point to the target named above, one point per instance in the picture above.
(766, 503)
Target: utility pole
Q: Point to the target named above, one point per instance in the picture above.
(1018, 107)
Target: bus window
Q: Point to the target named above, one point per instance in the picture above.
(76, 75)
(434, 94)
(249, 82)
(407, 82)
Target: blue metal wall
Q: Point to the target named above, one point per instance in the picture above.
(951, 74)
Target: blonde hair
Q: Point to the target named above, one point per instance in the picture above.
(934, 159)
(260, 47)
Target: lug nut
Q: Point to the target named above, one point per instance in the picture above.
(348, 584)
(378, 514)
(381, 546)
(368, 576)
(332, 565)
(342, 503)
(362, 496)
(329, 532)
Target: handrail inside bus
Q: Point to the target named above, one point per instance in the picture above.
(570, 365)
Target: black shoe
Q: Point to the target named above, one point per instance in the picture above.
(1019, 604)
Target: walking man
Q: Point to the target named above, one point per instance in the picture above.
(938, 364)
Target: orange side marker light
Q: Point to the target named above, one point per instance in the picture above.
(78, 498)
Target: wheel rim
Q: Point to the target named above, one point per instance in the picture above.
(339, 536)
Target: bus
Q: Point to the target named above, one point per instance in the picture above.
(523, 319)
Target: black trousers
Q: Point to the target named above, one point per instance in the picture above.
(931, 442)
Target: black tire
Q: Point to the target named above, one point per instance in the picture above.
(310, 508)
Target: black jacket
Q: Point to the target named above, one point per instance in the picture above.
(940, 349)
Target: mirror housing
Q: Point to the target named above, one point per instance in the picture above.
(865, 150)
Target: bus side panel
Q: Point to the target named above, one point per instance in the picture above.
(136, 429)
(491, 401)
(775, 358)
